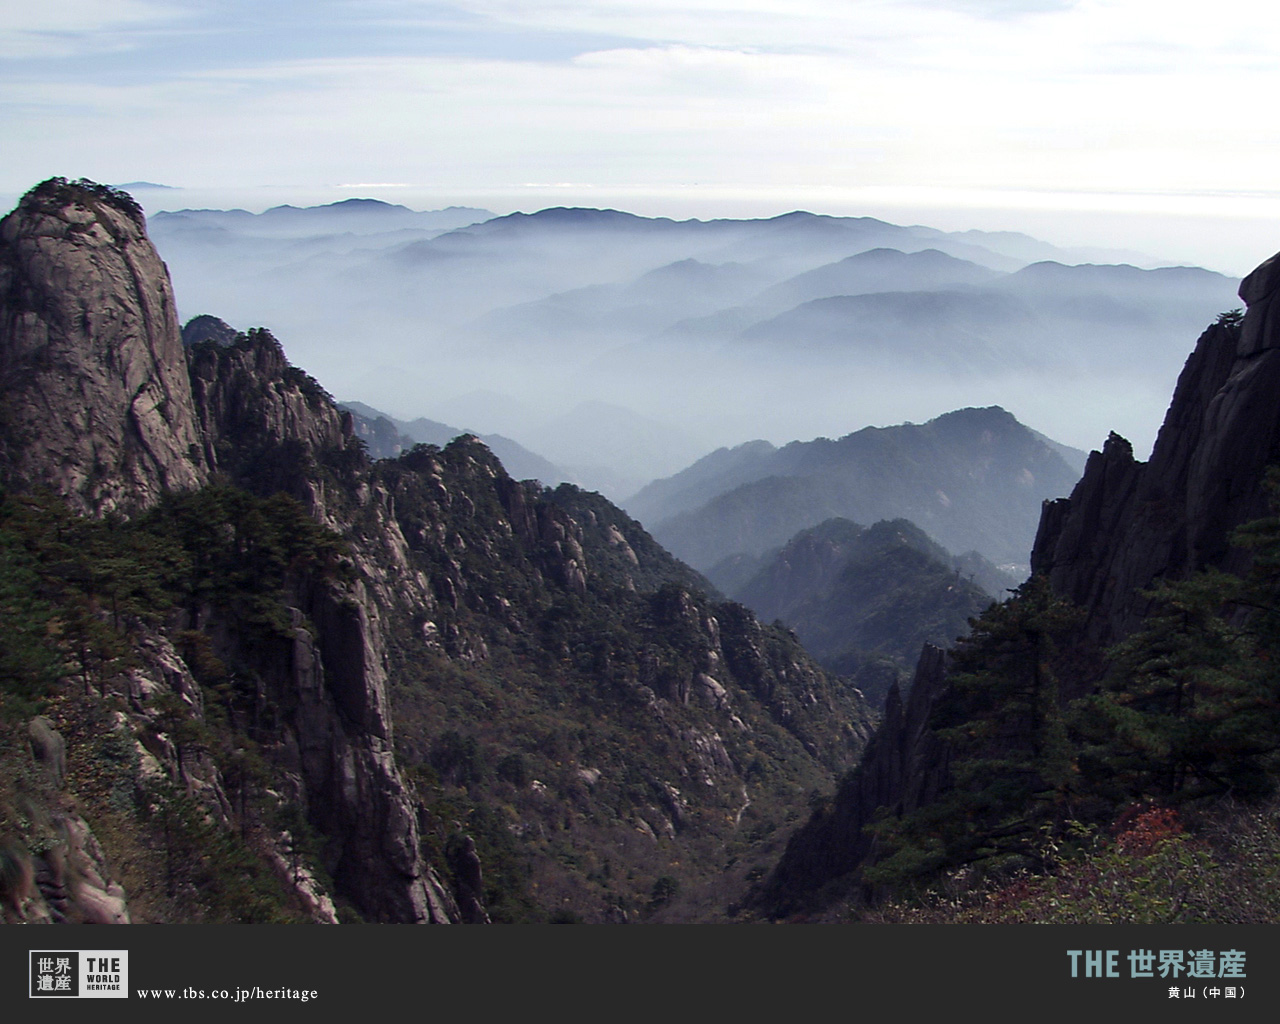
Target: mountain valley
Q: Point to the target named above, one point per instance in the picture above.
(270, 657)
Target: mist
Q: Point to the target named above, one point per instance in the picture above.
(622, 348)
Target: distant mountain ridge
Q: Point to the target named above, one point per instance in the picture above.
(292, 684)
(878, 270)
(854, 594)
(972, 479)
(358, 216)
(521, 463)
(1144, 644)
(710, 327)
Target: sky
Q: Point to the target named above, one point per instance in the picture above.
(1140, 124)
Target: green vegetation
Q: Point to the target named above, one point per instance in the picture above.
(613, 743)
(581, 751)
(89, 605)
(1011, 758)
(1176, 757)
(52, 194)
(241, 552)
(1219, 866)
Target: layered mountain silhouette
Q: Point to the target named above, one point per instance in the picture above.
(388, 437)
(972, 479)
(794, 326)
(252, 675)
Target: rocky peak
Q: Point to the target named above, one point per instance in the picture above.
(266, 424)
(1128, 523)
(208, 328)
(460, 605)
(100, 402)
(93, 383)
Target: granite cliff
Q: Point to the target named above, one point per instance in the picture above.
(101, 407)
(1128, 523)
(93, 386)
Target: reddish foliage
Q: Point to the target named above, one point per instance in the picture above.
(1143, 831)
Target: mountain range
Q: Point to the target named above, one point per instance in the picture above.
(1111, 719)
(864, 600)
(973, 479)
(695, 334)
(249, 673)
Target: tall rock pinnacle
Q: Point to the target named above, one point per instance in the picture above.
(1129, 523)
(95, 401)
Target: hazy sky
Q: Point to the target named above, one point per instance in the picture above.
(1137, 123)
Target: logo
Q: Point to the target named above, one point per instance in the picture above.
(79, 974)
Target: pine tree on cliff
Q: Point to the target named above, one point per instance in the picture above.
(1010, 756)
(1192, 705)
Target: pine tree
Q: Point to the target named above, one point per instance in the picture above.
(29, 662)
(1012, 760)
(1180, 688)
(1012, 765)
(1192, 705)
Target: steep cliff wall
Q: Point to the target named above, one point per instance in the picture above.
(267, 425)
(904, 767)
(1128, 523)
(460, 648)
(99, 406)
(94, 398)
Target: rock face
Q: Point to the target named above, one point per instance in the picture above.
(905, 766)
(93, 387)
(1126, 525)
(99, 406)
(339, 744)
(264, 423)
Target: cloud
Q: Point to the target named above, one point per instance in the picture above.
(1002, 8)
(1110, 95)
(62, 28)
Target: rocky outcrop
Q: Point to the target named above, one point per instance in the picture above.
(64, 877)
(265, 424)
(208, 328)
(341, 734)
(94, 398)
(1127, 523)
(524, 629)
(100, 405)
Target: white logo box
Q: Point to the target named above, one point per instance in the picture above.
(99, 973)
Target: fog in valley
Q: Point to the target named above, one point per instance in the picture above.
(622, 348)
